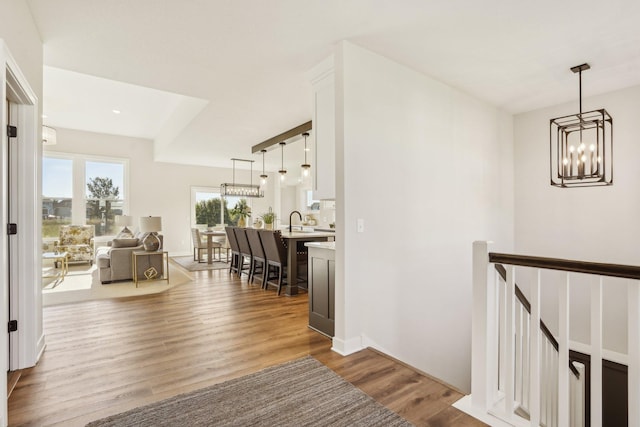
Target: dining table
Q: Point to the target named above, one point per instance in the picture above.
(292, 238)
(210, 235)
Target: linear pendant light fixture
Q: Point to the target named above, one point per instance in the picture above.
(305, 166)
(282, 170)
(242, 190)
(581, 146)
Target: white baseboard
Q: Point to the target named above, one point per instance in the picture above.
(465, 406)
(40, 347)
(347, 347)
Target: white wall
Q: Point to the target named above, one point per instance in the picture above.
(19, 32)
(157, 188)
(593, 224)
(429, 170)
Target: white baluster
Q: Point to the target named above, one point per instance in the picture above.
(518, 351)
(525, 364)
(494, 339)
(563, 353)
(509, 360)
(536, 352)
(633, 295)
(554, 390)
(502, 321)
(596, 353)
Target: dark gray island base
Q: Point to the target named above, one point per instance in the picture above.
(321, 268)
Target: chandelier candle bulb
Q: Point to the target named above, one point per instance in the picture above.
(571, 150)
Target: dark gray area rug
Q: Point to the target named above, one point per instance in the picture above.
(303, 392)
(189, 264)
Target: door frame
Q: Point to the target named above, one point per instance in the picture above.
(26, 306)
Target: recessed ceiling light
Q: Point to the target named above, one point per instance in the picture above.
(116, 111)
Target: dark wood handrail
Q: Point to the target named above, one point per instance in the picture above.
(601, 269)
(527, 306)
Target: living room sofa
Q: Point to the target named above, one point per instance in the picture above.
(115, 261)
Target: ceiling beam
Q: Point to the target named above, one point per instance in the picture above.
(298, 130)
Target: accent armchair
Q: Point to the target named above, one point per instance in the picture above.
(77, 241)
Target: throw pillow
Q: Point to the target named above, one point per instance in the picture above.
(124, 243)
(125, 235)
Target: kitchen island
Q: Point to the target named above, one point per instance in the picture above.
(321, 270)
(293, 238)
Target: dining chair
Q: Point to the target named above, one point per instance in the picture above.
(244, 251)
(259, 259)
(276, 254)
(198, 245)
(235, 250)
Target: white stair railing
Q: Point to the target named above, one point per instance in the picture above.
(519, 377)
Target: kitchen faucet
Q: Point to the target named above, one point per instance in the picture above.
(291, 215)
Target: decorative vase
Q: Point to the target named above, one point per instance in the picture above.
(151, 242)
(268, 226)
(242, 222)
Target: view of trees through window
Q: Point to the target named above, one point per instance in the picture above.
(210, 205)
(103, 196)
(103, 204)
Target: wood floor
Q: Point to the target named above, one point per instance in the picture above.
(104, 357)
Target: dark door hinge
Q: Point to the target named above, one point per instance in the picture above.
(12, 131)
(12, 228)
(13, 325)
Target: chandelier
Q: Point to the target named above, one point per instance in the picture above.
(241, 190)
(581, 146)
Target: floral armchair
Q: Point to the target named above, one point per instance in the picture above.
(77, 241)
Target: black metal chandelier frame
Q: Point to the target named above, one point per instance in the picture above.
(581, 146)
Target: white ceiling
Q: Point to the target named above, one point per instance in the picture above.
(212, 78)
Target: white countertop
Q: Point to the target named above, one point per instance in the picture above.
(306, 234)
(321, 245)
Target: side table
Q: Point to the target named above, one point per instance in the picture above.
(150, 273)
(57, 257)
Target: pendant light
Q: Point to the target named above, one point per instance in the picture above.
(264, 176)
(282, 170)
(305, 166)
(581, 146)
(241, 190)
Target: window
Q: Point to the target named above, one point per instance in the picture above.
(104, 193)
(57, 186)
(207, 205)
(81, 190)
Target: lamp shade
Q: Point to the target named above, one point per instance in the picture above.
(124, 220)
(150, 224)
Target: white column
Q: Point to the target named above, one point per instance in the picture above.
(563, 353)
(596, 354)
(633, 294)
(534, 333)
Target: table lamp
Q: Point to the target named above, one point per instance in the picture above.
(124, 221)
(151, 225)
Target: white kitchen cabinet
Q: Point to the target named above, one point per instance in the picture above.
(324, 169)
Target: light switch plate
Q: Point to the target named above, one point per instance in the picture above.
(360, 225)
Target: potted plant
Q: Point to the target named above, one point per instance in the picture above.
(242, 211)
(269, 218)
